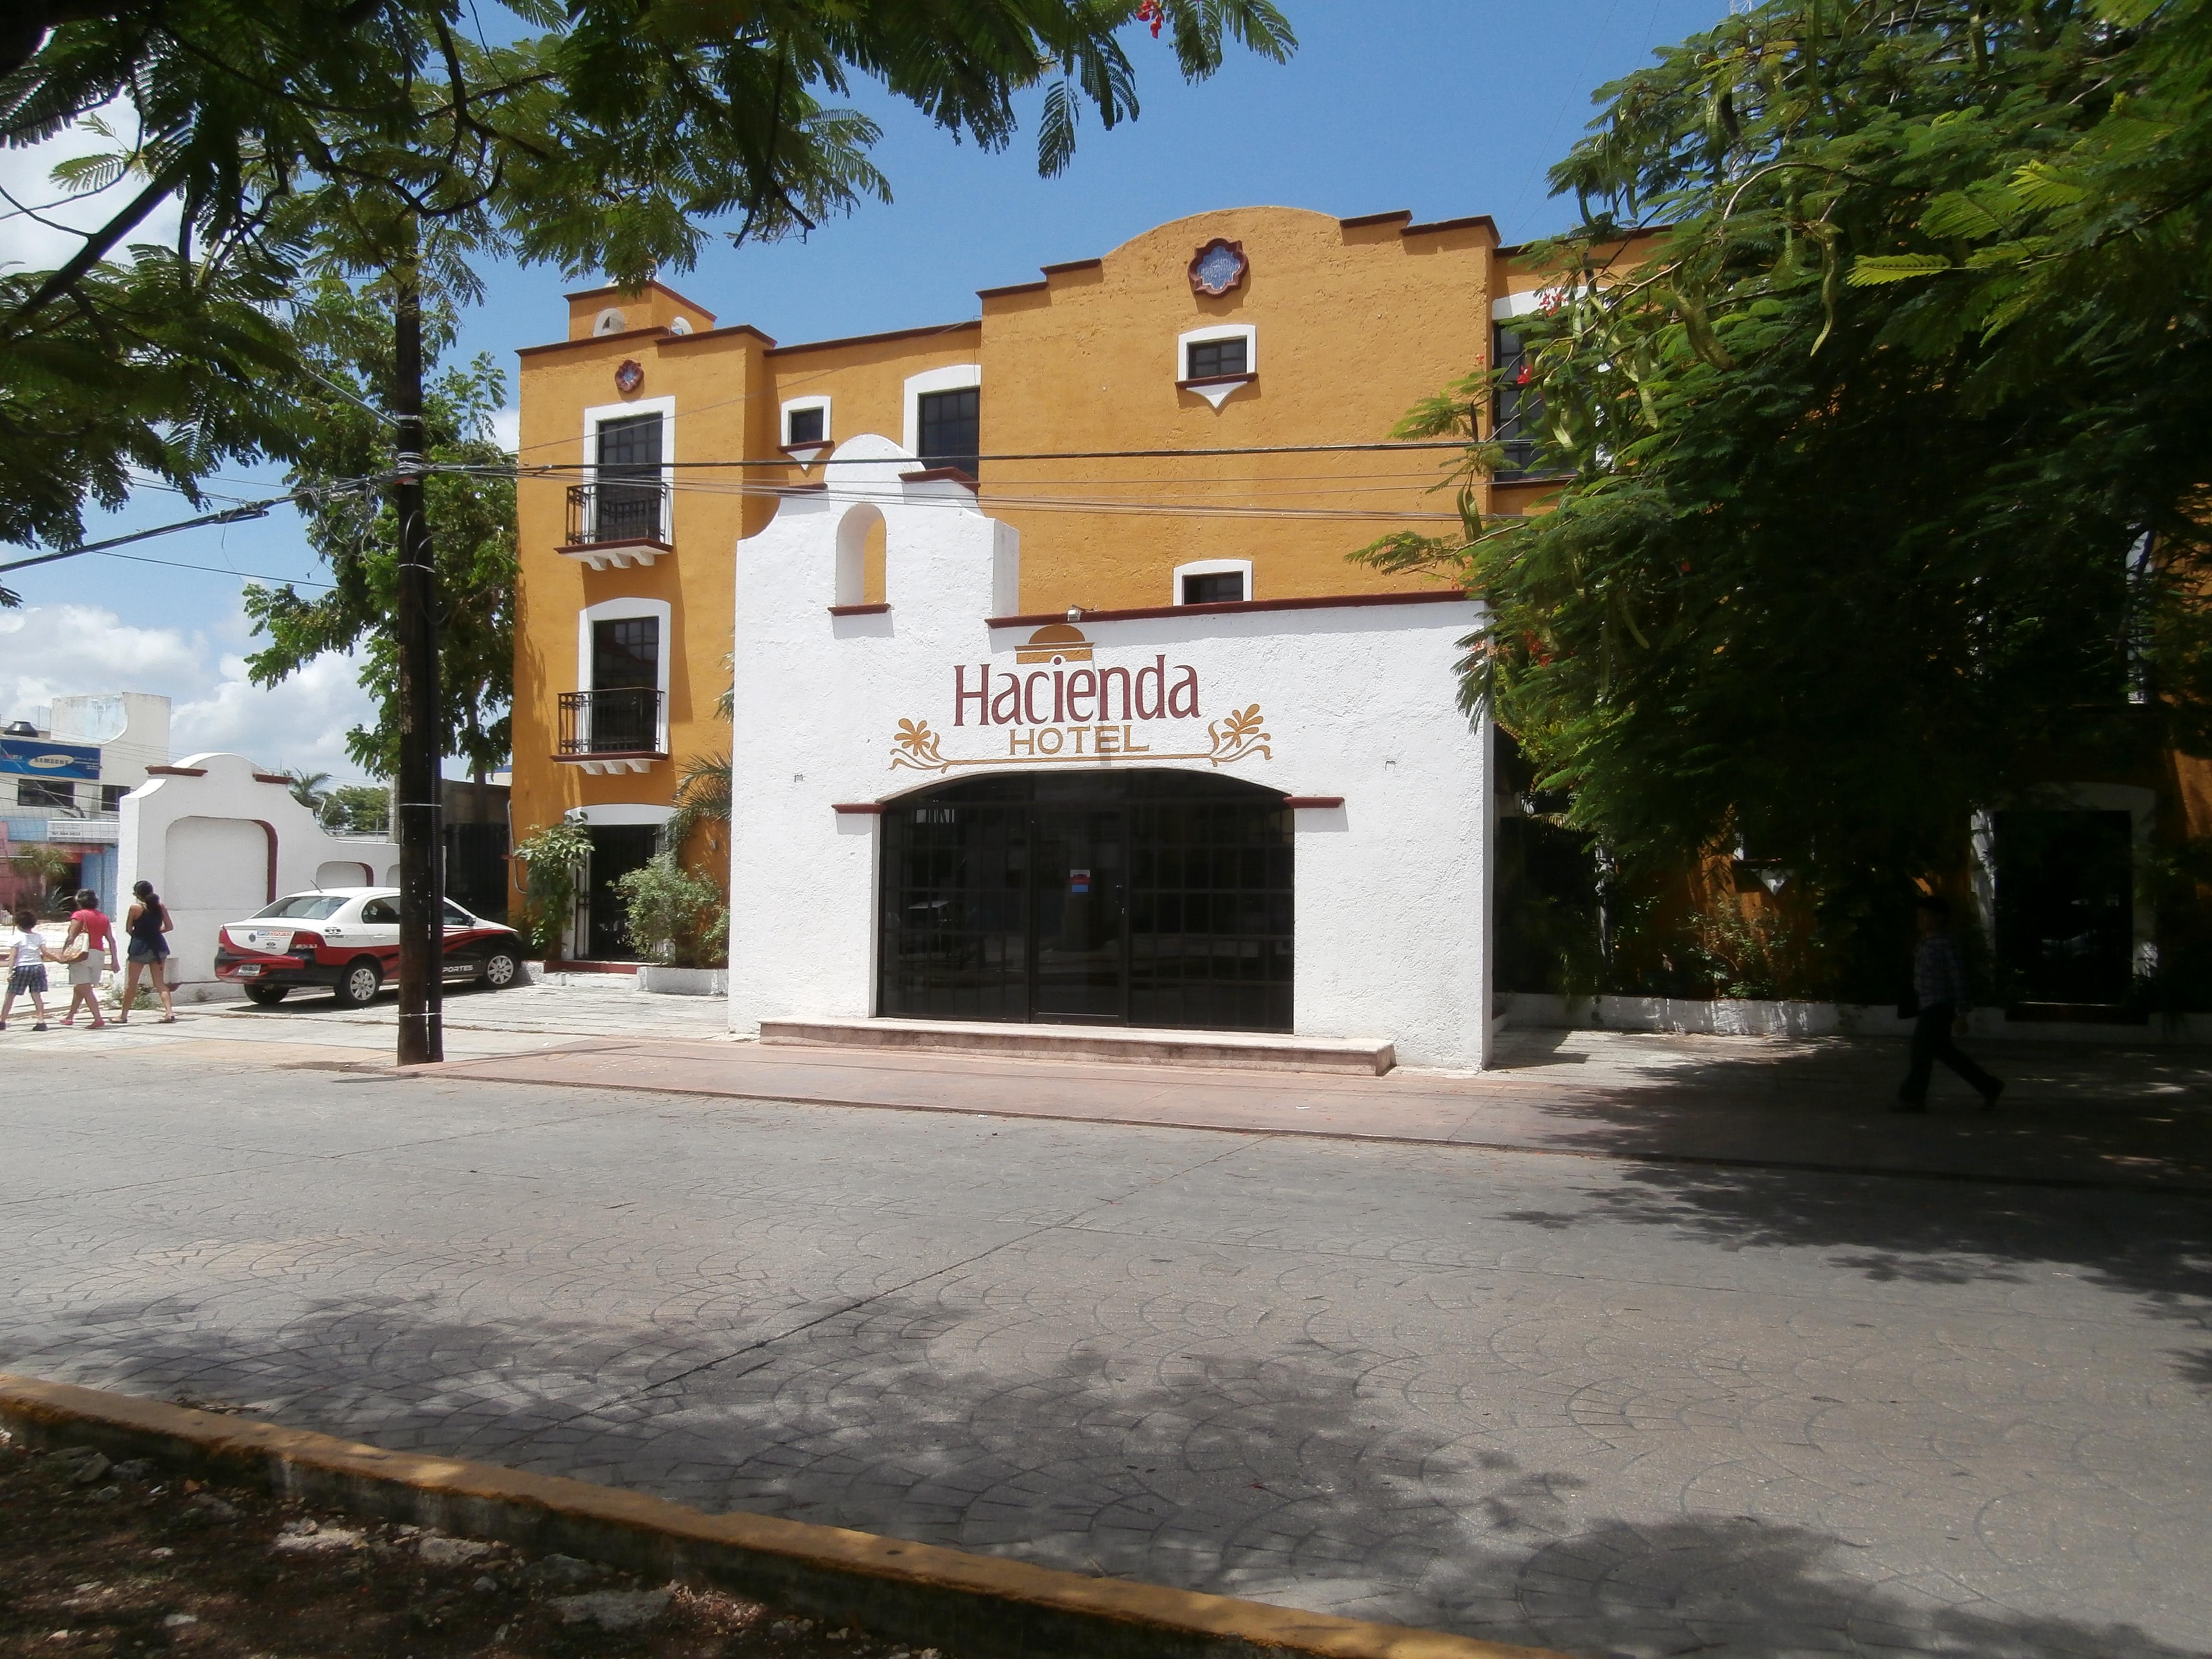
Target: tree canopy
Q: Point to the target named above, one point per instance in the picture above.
(344, 335)
(604, 135)
(1880, 451)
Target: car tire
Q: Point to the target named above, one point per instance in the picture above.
(266, 996)
(500, 971)
(358, 986)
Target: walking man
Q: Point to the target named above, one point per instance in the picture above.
(1939, 984)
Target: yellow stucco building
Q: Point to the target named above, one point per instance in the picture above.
(1178, 421)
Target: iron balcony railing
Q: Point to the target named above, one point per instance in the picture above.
(621, 722)
(618, 510)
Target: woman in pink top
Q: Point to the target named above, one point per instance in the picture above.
(98, 933)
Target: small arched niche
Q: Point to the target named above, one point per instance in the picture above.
(861, 542)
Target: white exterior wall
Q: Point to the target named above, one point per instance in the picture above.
(206, 843)
(1358, 700)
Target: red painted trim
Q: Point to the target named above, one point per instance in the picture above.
(699, 334)
(819, 446)
(614, 754)
(1216, 379)
(1230, 607)
(858, 610)
(270, 777)
(176, 772)
(803, 488)
(864, 809)
(1473, 222)
(1038, 286)
(938, 474)
(598, 340)
(268, 830)
(1073, 265)
(653, 543)
(650, 283)
(1401, 216)
(1313, 801)
(554, 967)
(870, 339)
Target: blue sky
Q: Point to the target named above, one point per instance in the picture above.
(1446, 108)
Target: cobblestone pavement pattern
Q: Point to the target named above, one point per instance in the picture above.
(1613, 1407)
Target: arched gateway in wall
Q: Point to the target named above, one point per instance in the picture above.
(1149, 897)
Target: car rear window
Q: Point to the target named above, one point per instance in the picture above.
(303, 906)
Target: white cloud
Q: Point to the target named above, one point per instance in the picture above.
(27, 174)
(61, 650)
(507, 429)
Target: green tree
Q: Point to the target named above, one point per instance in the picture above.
(358, 809)
(344, 335)
(606, 134)
(307, 788)
(1883, 455)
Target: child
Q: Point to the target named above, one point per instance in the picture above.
(98, 933)
(27, 969)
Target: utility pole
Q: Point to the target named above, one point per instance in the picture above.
(421, 921)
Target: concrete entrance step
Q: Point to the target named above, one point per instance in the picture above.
(1239, 1051)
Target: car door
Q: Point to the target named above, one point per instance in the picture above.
(463, 945)
(378, 932)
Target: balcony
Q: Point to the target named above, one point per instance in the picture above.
(611, 731)
(616, 523)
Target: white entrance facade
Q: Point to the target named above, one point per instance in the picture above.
(1256, 816)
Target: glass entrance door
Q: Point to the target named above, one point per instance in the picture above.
(1080, 975)
(1140, 897)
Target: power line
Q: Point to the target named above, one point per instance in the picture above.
(228, 515)
(1417, 444)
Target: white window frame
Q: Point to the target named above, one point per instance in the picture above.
(598, 414)
(792, 406)
(1212, 568)
(620, 610)
(953, 377)
(1219, 390)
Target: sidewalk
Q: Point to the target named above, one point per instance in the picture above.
(2107, 1119)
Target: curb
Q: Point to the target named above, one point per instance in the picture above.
(918, 1593)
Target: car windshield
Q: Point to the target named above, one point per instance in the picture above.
(303, 906)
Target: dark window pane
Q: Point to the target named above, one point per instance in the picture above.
(951, 429)
(1219, 587)
(1517, 415)
(806, 426)
(625, 653)
(1208, 358)
(628, 496)
(40, 792)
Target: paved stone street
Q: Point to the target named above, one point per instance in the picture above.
(1615, 1402)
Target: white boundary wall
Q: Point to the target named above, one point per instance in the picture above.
(1357, 701)
(220, 845)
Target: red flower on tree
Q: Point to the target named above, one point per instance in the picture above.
(1154, 12)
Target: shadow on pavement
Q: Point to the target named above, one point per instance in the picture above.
(1302, 1475)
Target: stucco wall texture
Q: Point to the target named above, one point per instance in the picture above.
(1356, 702)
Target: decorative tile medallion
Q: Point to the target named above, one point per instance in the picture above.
(630, 376)
(1218, 267)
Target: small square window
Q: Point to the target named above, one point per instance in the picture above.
(807, 426)
(110, 796)
(1207, 360)
(1215, 587)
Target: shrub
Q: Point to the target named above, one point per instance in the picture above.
(555, 857)
(674, 916)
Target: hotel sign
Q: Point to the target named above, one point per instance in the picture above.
(1057, 706)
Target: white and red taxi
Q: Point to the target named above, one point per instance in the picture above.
(346, 941)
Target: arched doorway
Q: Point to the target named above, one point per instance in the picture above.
(1139, 897)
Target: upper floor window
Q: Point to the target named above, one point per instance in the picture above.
(1517, 409)
(1205, 359)
(1213, 581)
(44, 792)
(951, 427)
(625, 653)
(628, 499)
(806, 426)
